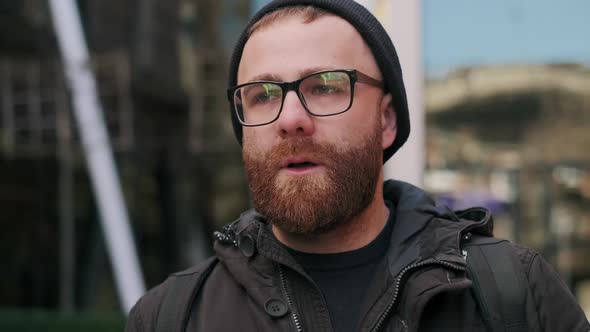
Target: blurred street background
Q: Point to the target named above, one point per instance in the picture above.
(504, 87)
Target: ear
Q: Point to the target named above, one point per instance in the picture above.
(388, 121)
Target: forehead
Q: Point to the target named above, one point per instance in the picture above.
(289, 47)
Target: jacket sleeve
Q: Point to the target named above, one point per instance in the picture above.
(135, 319)
(556, 306)
(143, 315)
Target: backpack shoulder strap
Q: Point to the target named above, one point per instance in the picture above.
(178, 300)
(500, 285)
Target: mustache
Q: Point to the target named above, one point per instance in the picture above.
(301, 145)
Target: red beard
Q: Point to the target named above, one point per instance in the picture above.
(318, 202)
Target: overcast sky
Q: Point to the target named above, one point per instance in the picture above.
(474, 32)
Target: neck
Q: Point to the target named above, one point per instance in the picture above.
(347, 236)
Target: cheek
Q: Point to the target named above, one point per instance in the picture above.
(248, 138)
(255, 140)
(358, 122)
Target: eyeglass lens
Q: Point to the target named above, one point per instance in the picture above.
(322, 94)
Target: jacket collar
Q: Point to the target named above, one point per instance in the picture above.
(422, 230)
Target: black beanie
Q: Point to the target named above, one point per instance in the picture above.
(374, 35)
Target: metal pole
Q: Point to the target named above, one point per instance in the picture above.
(67, 241)
(8, 122)
(34, 105)
(99, 157)
(403, 21)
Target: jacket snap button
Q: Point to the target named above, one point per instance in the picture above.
(467, 236)
(246, 245)
(276, 308)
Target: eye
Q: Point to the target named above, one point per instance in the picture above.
(325, 89)
(261, 94)
(326, 84)
(261, 98)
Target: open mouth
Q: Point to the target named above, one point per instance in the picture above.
(301, 165)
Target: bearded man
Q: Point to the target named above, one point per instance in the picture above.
(318, 103)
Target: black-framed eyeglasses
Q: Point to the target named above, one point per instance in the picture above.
(323, 93)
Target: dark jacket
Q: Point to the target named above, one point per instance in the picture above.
(425, 289)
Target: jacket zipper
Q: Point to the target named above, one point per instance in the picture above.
(397, 286)
(290, 301)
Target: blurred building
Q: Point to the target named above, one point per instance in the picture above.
(161, 71)
(516, 139)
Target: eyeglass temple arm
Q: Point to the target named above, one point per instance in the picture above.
(364, 78)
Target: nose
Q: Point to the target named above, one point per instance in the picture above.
(294, 119)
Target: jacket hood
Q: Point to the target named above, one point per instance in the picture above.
(422, 230)
(426, 230)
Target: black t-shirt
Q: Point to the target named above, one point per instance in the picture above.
(344, 278)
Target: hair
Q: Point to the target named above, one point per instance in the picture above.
(308, 13)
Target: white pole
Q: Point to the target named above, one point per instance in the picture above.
(403, 21)
(99, 158)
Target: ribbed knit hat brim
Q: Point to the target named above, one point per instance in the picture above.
(376, 38)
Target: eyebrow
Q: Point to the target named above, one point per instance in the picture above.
(277, 78)
(265, 77)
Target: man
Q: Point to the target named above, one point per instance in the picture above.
(318, 104)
